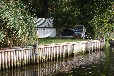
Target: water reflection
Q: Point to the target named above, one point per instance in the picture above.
(59, 67)
(102, 67)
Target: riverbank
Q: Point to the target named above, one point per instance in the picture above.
(17, 56)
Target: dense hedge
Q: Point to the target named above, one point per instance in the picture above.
(16, 24)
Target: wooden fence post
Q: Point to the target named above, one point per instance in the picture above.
(6, 59)
(0, 60)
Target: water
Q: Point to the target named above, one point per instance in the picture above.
(99, 63)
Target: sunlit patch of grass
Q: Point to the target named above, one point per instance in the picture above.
(56, 40)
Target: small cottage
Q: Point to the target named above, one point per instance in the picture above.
(45, 27)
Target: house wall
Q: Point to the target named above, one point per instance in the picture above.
(45, 27)
(46, 32)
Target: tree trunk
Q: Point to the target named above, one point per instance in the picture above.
(45, 9)
(59, 31)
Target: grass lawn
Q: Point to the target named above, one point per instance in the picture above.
(56, 40)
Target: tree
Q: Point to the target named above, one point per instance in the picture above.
(93, 14)
(37, 7)
(64, 13)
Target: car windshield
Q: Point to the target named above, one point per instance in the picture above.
(79, 29)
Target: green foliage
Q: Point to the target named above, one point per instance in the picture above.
(17, 26)
(2, 35)
(37, 7)
(64, 12)
(93, 14)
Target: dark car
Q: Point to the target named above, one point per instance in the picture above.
(78, 32)
(70, 33)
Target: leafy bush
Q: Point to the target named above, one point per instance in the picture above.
(17, 26)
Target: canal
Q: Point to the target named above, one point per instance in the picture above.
(98, 63)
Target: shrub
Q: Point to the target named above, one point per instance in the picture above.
(17, 26)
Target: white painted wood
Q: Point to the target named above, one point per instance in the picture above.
(14, 58)
(83, 47)
(64, 51)
(11, 59)
(54, 52)
(51, 48)
(44, 54)
(46, 32)
(75, 49)
(24, 53)
(17, 58)
(61, 51)
(6, 60)
(31, 56)
(0, 60)
(3, 60)
(20, 58)
(57, 52)
(27, 56)
(49, 53)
